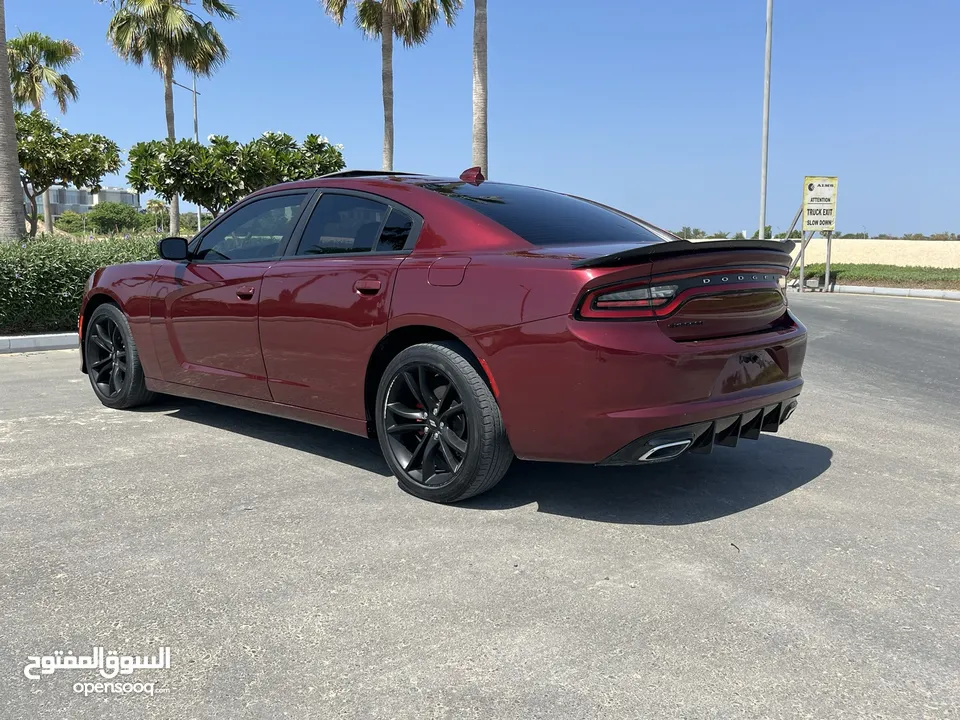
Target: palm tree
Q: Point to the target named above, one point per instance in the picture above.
(11, 191)
(35, 64)
(167, 34)
(157, 208)
(411, 22)
(480, 86)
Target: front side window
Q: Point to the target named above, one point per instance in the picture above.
(257, 231)
(342, 224)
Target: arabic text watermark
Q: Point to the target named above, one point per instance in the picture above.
(108, 664)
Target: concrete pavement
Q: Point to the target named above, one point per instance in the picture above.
(812, 573)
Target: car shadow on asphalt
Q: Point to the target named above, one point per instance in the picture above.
(330, 444)
(691, 489)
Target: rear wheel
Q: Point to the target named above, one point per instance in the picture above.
(113, 364)
(439, 425)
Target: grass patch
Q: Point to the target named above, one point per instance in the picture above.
(886, 276)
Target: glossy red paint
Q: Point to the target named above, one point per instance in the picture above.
(578, 392)
(296, 336)
(206, 326)
(318, 329)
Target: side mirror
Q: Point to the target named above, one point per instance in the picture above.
(172, 248)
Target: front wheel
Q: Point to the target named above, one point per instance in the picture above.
(112, 361)
(439, 425)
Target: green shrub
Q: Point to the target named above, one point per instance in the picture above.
(42, 280)
(112, 217)
(70, 222)
(188, 222)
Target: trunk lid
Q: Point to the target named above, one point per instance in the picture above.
(721, 288)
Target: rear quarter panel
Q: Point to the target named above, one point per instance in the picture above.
(497, 291)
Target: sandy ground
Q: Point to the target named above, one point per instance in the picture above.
(924, 253)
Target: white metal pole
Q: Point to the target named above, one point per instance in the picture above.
(826, 280)
(766, 121)
(196, 137)
(803, 263)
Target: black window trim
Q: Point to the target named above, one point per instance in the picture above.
(294, 243)
(309, 196)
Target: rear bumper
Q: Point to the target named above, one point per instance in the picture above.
(583, 392)
(700, 438)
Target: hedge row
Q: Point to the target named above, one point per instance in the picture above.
(907, 276)
(42, 280)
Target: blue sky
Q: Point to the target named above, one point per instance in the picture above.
(653, 107)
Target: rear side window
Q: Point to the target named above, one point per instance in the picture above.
(395, 232)
(542, 217)
(342, 224)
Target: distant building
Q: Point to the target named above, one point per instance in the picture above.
(80, 200)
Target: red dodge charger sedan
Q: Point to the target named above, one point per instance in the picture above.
(459, 321)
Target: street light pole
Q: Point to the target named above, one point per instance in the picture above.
(766, 121)
(196, 137)
(196, 129)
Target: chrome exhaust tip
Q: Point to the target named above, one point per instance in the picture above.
(665, 451)
(788, 411)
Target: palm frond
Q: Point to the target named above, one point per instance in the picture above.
(61, 54)
(220, 9)
(450, 8)
(400, 9)
(416, 26)
(203, 50)
(369, 18)
(35, 63)
(126, 33)
(63, 87)
(175, 21)
(426, 13)
(413, 20)
(170, 31)
(336, 9)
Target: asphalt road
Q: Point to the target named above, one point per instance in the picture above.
(815, 573)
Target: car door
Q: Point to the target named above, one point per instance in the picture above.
(204, 309)
(325, 306)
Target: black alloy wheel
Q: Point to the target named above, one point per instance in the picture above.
(439, 424)
(426, 425)
(112, 361)
(107, 356)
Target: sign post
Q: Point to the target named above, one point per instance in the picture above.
(803, 269)
(826, 272)
(819, 215)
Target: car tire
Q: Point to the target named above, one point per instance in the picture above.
(112, 361)
(462, 452)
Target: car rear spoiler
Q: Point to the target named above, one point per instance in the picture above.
(682, 247)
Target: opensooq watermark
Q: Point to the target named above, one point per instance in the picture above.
(108, 664)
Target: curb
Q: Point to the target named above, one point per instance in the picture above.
(37, 343)
(890, 292)
(900, 292)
